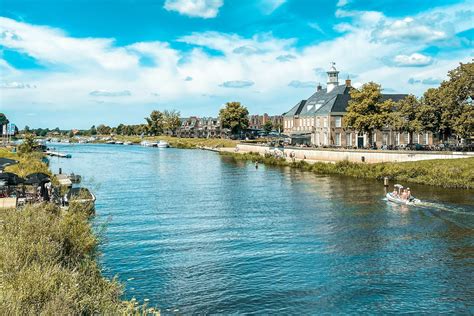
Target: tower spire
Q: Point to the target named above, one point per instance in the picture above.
(333, 79)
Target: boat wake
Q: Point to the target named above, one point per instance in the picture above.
(443, 207)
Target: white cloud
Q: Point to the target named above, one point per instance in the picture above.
(195, 8)
(302, 84)
(16, 85)
(408, 30)
(104, 93)
(268, 6)
(413, 60)
(237, 84)
(286, 57)
(342, 3)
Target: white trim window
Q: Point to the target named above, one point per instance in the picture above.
(338, 121)
(427, 139)
(338, 139)
(325, 124)
(349, 139)
(318, 122)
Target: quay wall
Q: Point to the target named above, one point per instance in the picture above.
(374, 156)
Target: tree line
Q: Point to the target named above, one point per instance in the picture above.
(447, 111)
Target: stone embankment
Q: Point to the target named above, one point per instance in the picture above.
(312, 155)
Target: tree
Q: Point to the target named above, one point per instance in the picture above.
(235, 117)
(171, 121)
(103, 129)
(93, 130)
(268, 126)
(406, 117)
(155, 123)
(28, 145)
(366, 111)
(26, 130)
(3, 121)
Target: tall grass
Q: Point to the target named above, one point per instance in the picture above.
(449, 173)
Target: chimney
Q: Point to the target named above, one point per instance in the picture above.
(348, 82)
(319, 87)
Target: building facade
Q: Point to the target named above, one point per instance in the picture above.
(319, 120)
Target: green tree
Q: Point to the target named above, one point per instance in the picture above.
(406, 116)
(171, 121)
(93, 130)
(235, 117)
(103, 129)
(28, 145)
(366, 111)
(26, 130)
(155, 123)
(268, 126)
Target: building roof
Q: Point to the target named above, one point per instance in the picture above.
(323, 103)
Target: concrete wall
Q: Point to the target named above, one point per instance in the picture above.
(354, 155)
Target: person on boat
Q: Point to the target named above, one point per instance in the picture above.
(395, 192)
(404, 195)
(408, 194)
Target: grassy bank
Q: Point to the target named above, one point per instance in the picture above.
(452, 173)
(28, 163)
(182, 142)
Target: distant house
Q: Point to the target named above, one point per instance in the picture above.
(206, 127)
(319, 119)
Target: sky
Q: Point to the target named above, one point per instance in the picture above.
(78, 63)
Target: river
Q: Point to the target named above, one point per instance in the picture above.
(194, 232)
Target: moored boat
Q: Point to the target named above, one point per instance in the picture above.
(163, 144)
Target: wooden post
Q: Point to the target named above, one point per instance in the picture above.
(385, 181)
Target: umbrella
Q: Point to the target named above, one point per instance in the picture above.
(7, 162)
(10, 178)
(37, 178)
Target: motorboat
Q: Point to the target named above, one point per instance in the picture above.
(128, 143)
(396, 198)
(163, 144)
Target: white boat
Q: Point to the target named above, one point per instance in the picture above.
(128, 143)
(118, 142)
(149, 144)
(163, 144)
(396, 198)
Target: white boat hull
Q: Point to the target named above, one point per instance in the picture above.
(397, 200)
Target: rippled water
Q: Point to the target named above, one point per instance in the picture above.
(194, 232)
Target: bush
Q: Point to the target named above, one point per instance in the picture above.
(48, 265)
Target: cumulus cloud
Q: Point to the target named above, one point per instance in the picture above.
(16, 85)
(409, 30)
(342, 3)
(413, 60)
(237, 84)
(195, 8)
(287, 57)
(302, 84)
(104, 93)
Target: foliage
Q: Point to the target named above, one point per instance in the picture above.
(268, 126)
(235, 117)
(3, 119)
(171, 121)
(366, 111)
(406, 116)
(28, 145)
(155, 123)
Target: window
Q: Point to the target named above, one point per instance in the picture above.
(318, 141)
(427, 142)
(338, 120)
(397, 139)
(385, 139)
(318, 123)
(348, 139)
(406, 138)
(325, 138)
(338, 139)
(325, 122)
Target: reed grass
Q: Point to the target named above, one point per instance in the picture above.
(448, 173)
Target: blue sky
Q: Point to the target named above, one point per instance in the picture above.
(79, 63)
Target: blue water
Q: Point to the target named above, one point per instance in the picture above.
(194, 232)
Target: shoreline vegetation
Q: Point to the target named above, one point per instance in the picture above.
(49, 259)
(449, 173)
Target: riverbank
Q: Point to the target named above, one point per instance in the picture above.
(454, 173)
(49, 262)
(178, 142)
